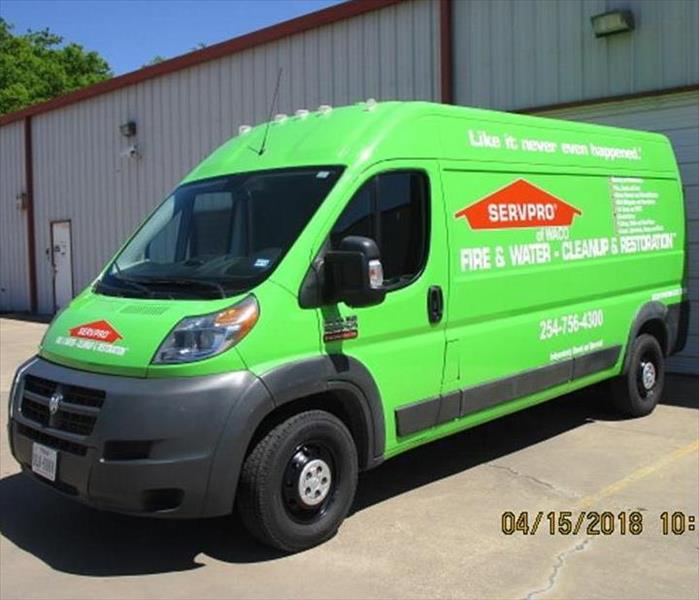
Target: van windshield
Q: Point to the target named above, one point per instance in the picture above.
(218, 237)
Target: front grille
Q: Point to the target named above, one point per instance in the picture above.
(40, 386)
(63, 420)
(71, 393)
(77, 410)
(35, 412)
(51, 440)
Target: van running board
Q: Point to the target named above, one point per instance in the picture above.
(425, 414)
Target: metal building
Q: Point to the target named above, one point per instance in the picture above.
(75, 178)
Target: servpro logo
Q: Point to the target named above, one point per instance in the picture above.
(97, 330)
(517, 205)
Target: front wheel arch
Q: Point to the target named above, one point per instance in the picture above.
(341, 401)
(323, 381)
(335, 377)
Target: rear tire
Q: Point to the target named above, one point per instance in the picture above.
(638, 392)
(298, 483)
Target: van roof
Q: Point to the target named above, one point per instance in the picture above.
(369, 132)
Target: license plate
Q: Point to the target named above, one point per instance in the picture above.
(44, 461)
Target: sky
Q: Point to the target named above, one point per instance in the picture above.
(129, 33)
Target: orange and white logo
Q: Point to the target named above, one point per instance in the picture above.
(518, 205)
(97, 330)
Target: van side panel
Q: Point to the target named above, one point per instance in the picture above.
(552, 256)
(526, 297)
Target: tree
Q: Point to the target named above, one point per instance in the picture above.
(38, 66)
(154, 61)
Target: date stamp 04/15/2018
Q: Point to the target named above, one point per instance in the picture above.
(595, 523)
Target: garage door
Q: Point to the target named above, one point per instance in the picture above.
(677, 116)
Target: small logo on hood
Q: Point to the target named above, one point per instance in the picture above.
(97, 330)
(518, 205)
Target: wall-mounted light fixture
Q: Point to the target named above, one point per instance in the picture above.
(609, 23)
(128, 129)
(132, 151)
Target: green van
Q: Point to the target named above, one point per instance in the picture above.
(336, 287)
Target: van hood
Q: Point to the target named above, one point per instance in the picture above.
(120, 336)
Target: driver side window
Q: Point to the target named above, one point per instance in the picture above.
(392, 209)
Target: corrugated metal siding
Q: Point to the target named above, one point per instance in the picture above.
(677, 116)
(511, 54)
(14, 276)
(80, 175)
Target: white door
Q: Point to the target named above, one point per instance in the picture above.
(62, 263)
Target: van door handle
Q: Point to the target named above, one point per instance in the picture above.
(435, 304)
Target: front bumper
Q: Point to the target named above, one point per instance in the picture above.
(165, 447)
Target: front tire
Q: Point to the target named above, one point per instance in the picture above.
(298, 483)
(638, 392)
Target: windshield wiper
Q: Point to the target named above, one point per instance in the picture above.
(184, 281)
(131, 282)
(101, 285)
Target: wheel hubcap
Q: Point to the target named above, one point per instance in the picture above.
(314, 482)
(648, 375)
(310, 478)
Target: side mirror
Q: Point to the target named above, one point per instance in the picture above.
(354, 274)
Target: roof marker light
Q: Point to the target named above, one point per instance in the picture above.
(324, 109)
(371, 104)
(243, 129)
(302, 113)
(280, 118)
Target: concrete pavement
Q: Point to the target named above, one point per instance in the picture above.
(425, 525)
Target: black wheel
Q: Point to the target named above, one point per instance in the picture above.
(639, 391)
(298, 483)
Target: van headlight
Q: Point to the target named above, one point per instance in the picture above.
(196, 338)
